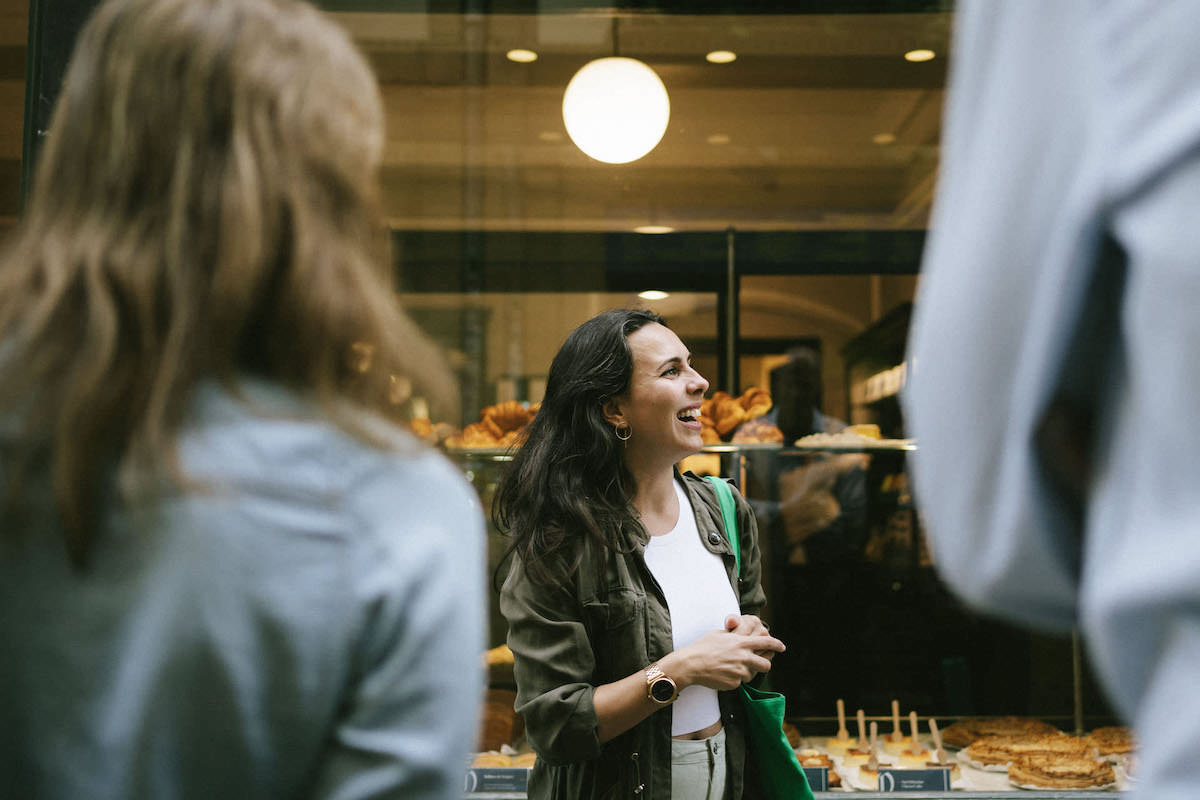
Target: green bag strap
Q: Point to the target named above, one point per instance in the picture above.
(729, 515)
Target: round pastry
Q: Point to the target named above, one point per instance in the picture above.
(835, 745)
(524, 759)
(963, 732)
(998, 750)
(914, 760)
(1061, 772)
(897, 745)
(856, 755)
(1112, 740)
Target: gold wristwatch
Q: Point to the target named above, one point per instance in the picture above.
(660, 689)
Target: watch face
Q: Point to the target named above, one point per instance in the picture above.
(662, 690)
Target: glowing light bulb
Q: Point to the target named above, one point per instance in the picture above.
(616, 110)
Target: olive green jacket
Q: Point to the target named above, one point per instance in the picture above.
(571, 639)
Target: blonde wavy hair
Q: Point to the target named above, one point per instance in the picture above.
(206, 206)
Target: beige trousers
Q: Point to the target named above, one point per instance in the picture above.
(698, 768)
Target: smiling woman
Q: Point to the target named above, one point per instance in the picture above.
(628, 622)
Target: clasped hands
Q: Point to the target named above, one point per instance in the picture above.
(726, 658)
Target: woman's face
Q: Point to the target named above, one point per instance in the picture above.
(662, 404)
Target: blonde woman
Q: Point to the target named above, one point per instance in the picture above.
(223, 571)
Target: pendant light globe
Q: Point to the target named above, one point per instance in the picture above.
(616, 109)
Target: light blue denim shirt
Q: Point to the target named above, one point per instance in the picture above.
(305, 622)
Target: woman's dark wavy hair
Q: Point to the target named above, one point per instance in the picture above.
(568, 482)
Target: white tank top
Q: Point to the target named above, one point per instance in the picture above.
(699, 598)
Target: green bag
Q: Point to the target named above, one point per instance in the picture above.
(779, 772)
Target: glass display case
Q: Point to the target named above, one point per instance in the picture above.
(852, 588)
(851, 581)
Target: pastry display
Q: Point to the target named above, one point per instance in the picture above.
(896, 742)
(757, 431)
(915, 755)
(1044, 771)
(966, 731)
(792, 733)
(851, 437)
(434, 433)
(494, 759)
(955, 769)
(868, 430)
(856, 756)
(841, 742)
(499, 425)
(500, 725)
(815, 758)
(491, 758)
(722, 416)
(1115, 740)
(996, 751)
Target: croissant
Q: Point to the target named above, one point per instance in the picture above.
(421, 427)
(756, 402)
(492, 427)
(507, 416)
(729, 415)
(477, 435)
(510, 438)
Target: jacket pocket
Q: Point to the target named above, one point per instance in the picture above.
(617, 628)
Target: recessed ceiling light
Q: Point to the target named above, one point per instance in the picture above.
(654, 229)
(718, 138)
(721, 56)
(919, 55)
(883, 138)
(653, 294)
(521, 56)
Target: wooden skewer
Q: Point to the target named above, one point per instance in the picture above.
(939, 753)
(842, 733)
(873, 760)
(912, 726)
(862, 729)
(896, 734)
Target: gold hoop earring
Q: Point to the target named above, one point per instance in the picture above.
(628, 432)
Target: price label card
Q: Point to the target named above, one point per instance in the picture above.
(818, 778)
(907, 780)
(496, 779)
